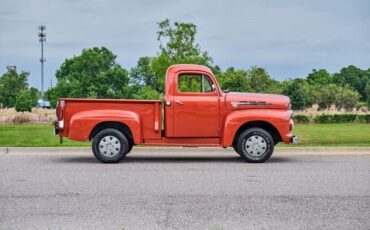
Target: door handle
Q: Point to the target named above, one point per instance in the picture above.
(179, 102)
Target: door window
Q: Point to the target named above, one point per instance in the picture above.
(195, 83)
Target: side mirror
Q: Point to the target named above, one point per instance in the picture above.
(213, 87)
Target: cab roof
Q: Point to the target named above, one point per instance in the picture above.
(188, 67)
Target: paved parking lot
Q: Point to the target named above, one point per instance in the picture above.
(185, 188)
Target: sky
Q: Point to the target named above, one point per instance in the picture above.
(288, 38)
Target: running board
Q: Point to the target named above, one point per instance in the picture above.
(186, 142)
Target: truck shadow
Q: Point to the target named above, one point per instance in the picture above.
(181, 159)
(168, 159)
(184, 159)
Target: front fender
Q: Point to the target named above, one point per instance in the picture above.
(234, 120)
(81, 124)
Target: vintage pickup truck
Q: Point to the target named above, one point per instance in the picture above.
(195, 112)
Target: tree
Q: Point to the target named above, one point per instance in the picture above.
(260, 80)
(52, 95)
(177, 46)
(143, 73)
(23, 101)
(342, 97)
(295, 91)
(347, 98)
(93, 74)
(354, 77)
(147, 93)
(319, 77)
(234, 80)
(367, 90)
(35, 95)
(11, 83)
(178, 42)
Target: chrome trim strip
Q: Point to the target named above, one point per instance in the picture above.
(245, 103)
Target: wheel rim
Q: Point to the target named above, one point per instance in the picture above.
(109, 146)
(256, 146)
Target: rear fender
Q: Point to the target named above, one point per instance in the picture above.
(234, 120)
(82, 123)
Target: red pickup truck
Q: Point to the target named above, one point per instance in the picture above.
(195, 112)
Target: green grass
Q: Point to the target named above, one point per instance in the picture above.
(33, 136)
(346, 134)
(333, 135)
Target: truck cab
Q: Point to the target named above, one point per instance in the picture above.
(194, 112)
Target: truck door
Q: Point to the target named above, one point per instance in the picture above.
(196, 106)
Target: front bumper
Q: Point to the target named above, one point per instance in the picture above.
(294, 140)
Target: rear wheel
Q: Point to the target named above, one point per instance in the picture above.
(110, 145)
(255, 145)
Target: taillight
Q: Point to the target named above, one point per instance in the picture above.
(62, 105)
(60, 109)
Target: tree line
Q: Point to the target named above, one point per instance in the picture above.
(95, 73)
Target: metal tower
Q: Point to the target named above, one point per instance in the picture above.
(42, 39)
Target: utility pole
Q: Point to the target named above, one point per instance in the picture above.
(42, 39)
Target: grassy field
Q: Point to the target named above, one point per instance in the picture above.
(349, 134)
(33, 136)
(345, 134)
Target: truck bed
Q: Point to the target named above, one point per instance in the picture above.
(149, 112)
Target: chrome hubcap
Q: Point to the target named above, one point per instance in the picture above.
(109, 146)
(255, 146)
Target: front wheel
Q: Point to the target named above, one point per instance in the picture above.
(255, 145)
(110, 146)
(130, 145)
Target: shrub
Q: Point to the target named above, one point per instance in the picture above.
(302, 119)
(364, 109)
(323, 118)
(21, 118)
(364, 118)
(342, 118)
(336, 118)
(295, 91)
(342, 97)
(37, 116)
(23, 101)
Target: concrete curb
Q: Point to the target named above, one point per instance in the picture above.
(279, 150)
(45, 150)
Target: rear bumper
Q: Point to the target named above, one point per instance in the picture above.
(294, 140)
(56, 128)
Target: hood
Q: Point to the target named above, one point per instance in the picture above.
(235, 101)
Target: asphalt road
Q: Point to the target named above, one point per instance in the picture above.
(184, 188)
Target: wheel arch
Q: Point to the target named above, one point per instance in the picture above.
(271, 129)
(122, 127)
